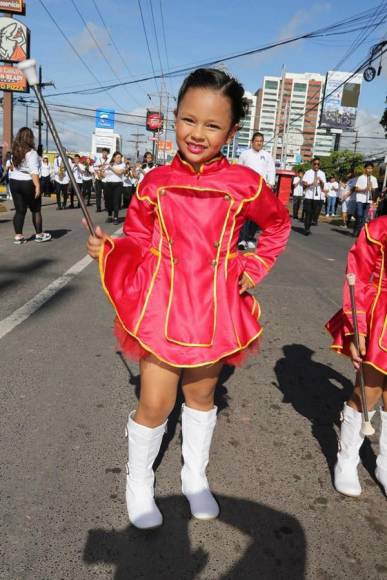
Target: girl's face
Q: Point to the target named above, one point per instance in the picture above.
(203, 125)
(117, 158)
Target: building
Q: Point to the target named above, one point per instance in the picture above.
(288, 112)
(243, 137)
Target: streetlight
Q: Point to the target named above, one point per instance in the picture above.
(26, 102)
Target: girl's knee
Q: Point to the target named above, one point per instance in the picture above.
(153, 413)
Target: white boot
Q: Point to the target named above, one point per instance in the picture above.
(197, 429)
(381, 460)
(346, 478)
(144, 444)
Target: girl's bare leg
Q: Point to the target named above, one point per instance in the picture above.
(199, 386)
(374, 381)
(158, 392)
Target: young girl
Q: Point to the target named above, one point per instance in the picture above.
(179, 287)
(113, 186)
(24, 184)
(366, 260)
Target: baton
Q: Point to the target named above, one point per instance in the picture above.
(366, 428)
(28, 68)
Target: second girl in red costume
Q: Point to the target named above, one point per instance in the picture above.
(367, 260)
(179, 286)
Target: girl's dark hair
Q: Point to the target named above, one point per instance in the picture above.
(146, 155)
(114, 154)
(218, 80)
(23, 142)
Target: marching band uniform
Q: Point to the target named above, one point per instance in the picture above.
(61, 180)
(366, 186)
(113, 190)
(314, 196)
(78, 170)
(87, 181)
(45, 178)
(366, 260)
(100, 180)
(173, 278)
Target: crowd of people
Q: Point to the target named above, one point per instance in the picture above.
(359, 197)
(112, 178)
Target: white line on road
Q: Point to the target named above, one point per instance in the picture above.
(24, 312)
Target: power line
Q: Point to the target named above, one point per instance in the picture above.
(328, 31)
(72, 45)
(156, 36)
(147, 44)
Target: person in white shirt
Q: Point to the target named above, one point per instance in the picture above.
(45, 177)
(87, 171)
(99, 172)
(366, 188)
(298, 193)
(24, 183)
(113, 186)
(61, 181)
(262, 162)
(314, 181)
(78, 170)
(332, 190)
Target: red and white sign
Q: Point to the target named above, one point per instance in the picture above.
(12, 79)
(14, 40)
(154, 121)
(14, 6)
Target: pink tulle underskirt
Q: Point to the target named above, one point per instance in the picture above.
(133, 350)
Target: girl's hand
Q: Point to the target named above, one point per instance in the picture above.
(37, 193)
(245, 283)
(355, 356)
(94, 243)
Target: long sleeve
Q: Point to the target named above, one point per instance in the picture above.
(273, 218)
(270, 173)
(361, 262)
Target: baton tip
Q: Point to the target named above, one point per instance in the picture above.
(351, 278)
(367, 428)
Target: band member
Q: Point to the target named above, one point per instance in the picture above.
(78, 171)
(366, 188)
(148, 162)
(61, 182)
(87, 170)
(127, 185)
(366, 261)
(298, 193)
(99, 171)
(113, 186)
(25, 185)
(179, 286)
(45, 177)
(314, 182)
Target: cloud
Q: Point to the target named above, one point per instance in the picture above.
(368, 126)
(292, 27)
(84, 42)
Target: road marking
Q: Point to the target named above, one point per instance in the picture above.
(25, 311)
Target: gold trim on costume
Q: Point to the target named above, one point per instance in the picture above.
(150, 289)
(380, 281)
(268, 268)
(382, 335)
(249, 277)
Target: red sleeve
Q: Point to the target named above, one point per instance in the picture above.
(273, 218)
(361, 262)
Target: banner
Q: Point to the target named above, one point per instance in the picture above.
(14, 6)
(12, 79)
(339, 108)
(104, 118)
(165, 145)
(14, 40)
(154, 121)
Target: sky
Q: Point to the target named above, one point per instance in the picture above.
(194, 32)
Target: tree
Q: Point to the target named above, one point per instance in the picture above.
(383, 122)
(338, 164)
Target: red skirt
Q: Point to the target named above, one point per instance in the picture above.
(376, 340)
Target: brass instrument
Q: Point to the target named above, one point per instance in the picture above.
(61, 170)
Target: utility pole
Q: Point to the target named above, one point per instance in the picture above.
(355, 148)
(39, 122)
(284, 150)
(137, 141)
(163, 95)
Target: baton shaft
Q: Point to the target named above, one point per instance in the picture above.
(357, 344)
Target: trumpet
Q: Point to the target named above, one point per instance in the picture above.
(61, 171)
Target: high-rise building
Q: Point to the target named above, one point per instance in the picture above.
(288, 112)
(243, 137)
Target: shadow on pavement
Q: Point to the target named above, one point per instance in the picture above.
(310, 388)
(12, 275)
(276, 548)
(298, 229)
(221, 401)
(344, 232)
(56, 234)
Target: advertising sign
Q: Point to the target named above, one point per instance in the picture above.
(165, 145)
(104, 118)
(339, 108)
(12, 79)
(154, 121)
(14, 6)
(14, 40)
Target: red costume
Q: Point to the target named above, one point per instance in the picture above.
(366, 260)
(173, 278)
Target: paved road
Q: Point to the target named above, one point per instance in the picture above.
(65, 394)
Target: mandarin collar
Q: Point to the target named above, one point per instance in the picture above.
(209, 167)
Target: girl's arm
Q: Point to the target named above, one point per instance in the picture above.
(361, 262)
(273, 218)
(118, 171)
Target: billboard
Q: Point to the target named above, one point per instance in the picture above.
(12, 79)
(340, 103)
(14, 6)
(165, 145)
(154, 121)
(14, 40)
(104, 118)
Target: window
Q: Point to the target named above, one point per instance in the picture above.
(299, 88)
(271, 84)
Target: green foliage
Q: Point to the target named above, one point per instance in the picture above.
(338, 164)
(383, 121)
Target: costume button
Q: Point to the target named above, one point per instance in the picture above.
(227, 197)
(171, 242)
(216, 244)
(162, 192)
(175, 260)
(214, 262)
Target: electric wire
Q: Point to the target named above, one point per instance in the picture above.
(155, 77)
